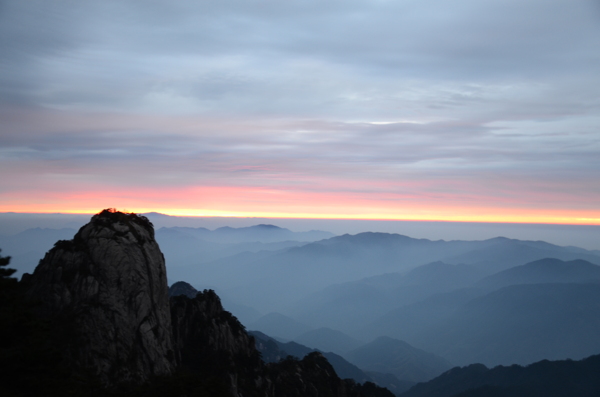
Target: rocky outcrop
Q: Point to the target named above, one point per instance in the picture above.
(182, 288)
(312, 376)
(212, 342)
(104, 297)
(105, 292)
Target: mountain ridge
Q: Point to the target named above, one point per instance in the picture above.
(564, 378)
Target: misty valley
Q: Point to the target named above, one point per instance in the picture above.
(265, 311)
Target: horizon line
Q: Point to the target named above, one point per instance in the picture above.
(577, 222)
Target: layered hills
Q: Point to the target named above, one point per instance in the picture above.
(297, 275)
(520, 324)
(543, 309)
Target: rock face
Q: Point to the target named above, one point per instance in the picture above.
(211, 341)
(105, 292)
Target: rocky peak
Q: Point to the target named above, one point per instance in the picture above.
(183, 288)
(105, 292)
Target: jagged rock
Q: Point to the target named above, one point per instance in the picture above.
(182, 288)
(312, 376)
(105, 292)
(212, 341)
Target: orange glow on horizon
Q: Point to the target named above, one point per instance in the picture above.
(539, 219)
(261, 202)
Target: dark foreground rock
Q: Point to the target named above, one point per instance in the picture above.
(105, 327)
(210, 341)
(106, 294)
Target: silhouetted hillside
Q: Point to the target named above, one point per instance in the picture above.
(244, 313)
(545, 378)
(273, 350)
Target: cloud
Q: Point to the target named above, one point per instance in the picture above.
(449, 101)
(293, 58)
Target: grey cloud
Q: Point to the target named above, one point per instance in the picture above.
(303, 145)
(293, 88)
(285, 58)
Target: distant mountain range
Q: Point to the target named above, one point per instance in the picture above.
(182, 246)
(299, 272)
(258, 233)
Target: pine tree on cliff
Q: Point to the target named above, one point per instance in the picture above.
(5, 273)
(9, 310)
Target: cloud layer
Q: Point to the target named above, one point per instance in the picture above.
(406, 109)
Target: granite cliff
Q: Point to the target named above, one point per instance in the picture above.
(105, 292)
(104, 297)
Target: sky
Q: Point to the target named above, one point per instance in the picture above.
(456, 110)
